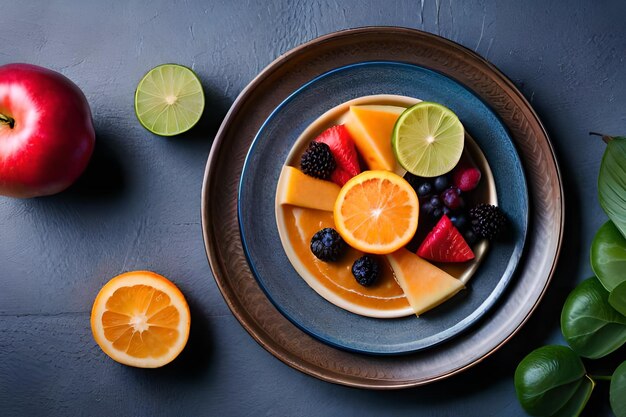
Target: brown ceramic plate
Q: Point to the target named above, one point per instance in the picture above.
(221, 229)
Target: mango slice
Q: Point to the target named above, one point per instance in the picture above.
(299, 189)
(424, 285)
(371, 127)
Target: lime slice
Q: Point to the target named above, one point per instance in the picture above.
(169, 100)
(428, 139)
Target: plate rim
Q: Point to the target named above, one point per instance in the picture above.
(464, 324)
(245, 318)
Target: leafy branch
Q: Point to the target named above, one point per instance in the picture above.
(552, 380)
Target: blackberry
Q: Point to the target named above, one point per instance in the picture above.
(317, 161)
(366, 270)
(327, 245)
(487, 221)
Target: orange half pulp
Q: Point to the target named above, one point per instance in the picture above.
(377, 212)
(141, 319)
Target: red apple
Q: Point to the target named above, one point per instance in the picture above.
(46, 131)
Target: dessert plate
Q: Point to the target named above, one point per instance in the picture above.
(262, 244)
(224, 247)
(326, 287)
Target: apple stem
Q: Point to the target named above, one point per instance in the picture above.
(7, 120)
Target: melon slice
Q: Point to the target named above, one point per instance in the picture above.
(371, 127)
(298, 189)
(424, 285)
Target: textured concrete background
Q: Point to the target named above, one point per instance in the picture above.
(138, 205)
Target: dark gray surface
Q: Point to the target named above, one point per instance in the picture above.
(138, 206)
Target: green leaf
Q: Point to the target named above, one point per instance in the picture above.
(608, 256)
(618, 391)
(612, 182)
(589, 324)
(617, 298)
(575, 406)
(552, 380)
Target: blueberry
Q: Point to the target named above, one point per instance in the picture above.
(427, 207)
(441, 183)
(437, 213)
(470, 237)
(366, 270)
(435, 202)
(327, 245)
(452, 198)
(446, 211)
(459, 221)
(424, 189)
(414, 180)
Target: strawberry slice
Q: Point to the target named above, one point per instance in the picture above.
(445, 244)
(342, 147)
(340, 176)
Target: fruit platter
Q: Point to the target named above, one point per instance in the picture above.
(449, 215)
(267, 271)
(323, 297)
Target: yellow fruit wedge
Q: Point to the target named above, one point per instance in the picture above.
(424, 285)
(371, 127)
(298, 189)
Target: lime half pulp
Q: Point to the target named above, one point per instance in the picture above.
(428, 139)
(169, 100)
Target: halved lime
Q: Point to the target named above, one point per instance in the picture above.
(169, 100)
(428, 139)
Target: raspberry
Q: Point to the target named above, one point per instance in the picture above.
(466, 179)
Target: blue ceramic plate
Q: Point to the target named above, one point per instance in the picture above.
(291, 295)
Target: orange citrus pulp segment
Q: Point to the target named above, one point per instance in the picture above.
(377, 212)
(141, 319)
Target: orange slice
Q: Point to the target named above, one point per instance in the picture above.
(377, 212)
(140, 319)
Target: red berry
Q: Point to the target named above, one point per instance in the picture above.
(343, 150)
(466, 178)
(339, 176)
(445, 244)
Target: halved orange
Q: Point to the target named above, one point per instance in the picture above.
(377, 212)
(141, 319)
